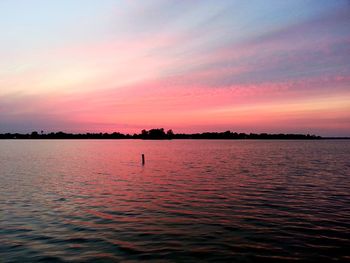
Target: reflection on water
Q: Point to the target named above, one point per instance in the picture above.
(192, 201)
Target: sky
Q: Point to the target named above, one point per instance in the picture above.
(192, 66)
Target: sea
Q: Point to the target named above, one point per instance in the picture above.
(191, 201)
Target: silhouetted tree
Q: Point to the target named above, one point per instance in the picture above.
(156, 134)
(34, 134)
(170, 134)
(144, 134)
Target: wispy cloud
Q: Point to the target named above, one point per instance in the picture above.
(121, 66)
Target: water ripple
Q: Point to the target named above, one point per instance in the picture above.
(207, 201)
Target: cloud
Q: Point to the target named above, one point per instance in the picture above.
(179, 64)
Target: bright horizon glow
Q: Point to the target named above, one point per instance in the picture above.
(192, 66)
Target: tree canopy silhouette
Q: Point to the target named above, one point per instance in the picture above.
(159, 134)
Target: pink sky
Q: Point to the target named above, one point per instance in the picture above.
(188, 66)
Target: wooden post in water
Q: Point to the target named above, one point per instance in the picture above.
(143, 159)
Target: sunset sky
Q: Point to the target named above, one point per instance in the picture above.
(246, 66)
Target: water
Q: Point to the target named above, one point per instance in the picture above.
(243, 201)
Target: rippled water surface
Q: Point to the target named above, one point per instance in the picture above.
(243, 201)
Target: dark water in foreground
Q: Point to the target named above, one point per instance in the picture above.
(243, 201)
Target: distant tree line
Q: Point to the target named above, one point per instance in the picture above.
(158, 134)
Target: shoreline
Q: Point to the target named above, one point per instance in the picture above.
(195, 139)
